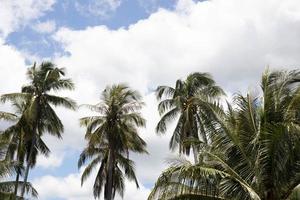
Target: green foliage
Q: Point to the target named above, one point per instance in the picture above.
(34, 104)
(111, 136)
(190, 103)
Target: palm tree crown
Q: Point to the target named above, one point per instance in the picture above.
(188, 101)
(111, 136)
(38, 115)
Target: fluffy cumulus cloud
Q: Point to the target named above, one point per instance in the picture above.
(99, 8)
(52, 161)
(12, 67)
(12, 70)
(69, 188)
(15, 13)
(233, 40)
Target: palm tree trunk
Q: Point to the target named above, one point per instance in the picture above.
(111, 161)
(19, 170)
(28, 165)
(29, 161)
(17, 184)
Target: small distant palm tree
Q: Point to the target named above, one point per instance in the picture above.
(255, 151)
(111, 136)
(189, 101)
(39, 116)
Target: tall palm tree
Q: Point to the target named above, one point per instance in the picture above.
(111, 136)
(189, 101)
(39, 116)
(255, 153)
(8, 166)
(15, 136)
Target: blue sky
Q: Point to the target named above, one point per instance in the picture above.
(144, 43)
(75, 15)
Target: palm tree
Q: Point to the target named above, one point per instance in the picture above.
(255, 152)
(8, 167)
(39, 116)
(16, 145)
(111, 136)
(189, 101)
(99, 155)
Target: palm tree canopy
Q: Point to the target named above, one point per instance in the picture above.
(37, 113)
(189, 102)
(111, 136)
(43, 80)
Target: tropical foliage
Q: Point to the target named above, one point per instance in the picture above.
(9, 167)
(37, 116)
(254, 151)
(111, 136)
(189, 102)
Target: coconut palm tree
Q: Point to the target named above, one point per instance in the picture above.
(100, 155)
(189, 101)
(111, 136)
(39, 116)
(9, 167)
(255, 151)
(15, 136)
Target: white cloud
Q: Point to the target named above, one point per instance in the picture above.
(45, 27)
(69, 188)
(237, 38)
(52, 161)
(15, 13)
(99, 8)
(12, 69)
(149, 167)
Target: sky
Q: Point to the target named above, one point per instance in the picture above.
(144, 43)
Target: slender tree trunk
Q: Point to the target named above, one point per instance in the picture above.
(111, 162)
(28, 164)
(33, 142)
(17, 184)
(19, 170)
